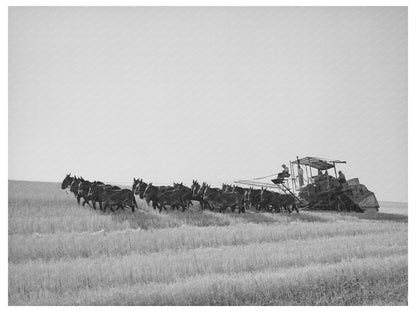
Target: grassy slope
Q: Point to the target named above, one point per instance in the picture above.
(60, 253)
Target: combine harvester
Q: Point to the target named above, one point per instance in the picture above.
(313, 188)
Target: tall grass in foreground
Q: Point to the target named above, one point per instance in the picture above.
(354, 282)
(71, 275)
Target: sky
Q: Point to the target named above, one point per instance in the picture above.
(210, 93)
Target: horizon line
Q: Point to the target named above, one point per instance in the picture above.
(391, 201)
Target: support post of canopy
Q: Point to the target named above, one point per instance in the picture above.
(310, 168)
(307, 177)
(307, 174)
(327, 177)
(293, 177)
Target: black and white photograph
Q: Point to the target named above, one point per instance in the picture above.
(207, 156)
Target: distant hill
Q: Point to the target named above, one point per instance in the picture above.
(393, 207)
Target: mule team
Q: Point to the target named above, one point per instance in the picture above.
(177, 196)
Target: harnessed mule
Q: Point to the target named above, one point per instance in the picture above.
(197, 195)
(186, 193)
(113, 197)
(68, 180)
(222, 200)
(162, 196)
(253, 198)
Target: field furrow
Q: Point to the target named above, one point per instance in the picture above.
(74, 245)
(169, 266)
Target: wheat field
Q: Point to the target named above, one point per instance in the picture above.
(64, 254)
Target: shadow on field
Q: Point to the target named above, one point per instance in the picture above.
(147, 218)
(198, 218)
(174, 218)
(252, 217)
(142, 220)
(305, 217)
(152, 219)
(267, 218)
(378, 216)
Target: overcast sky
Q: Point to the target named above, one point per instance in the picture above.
(217, 94)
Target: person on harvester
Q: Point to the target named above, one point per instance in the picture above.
(341, 177)
(285, 173)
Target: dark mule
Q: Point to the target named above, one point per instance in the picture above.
(242, 191)
(171, 197)
(68, 180)
(253, 198)
(83, 188)
(108, 197)
(96, 196)
(78, 186)
(151, 194)
(186, 193)
(74, 189)
(273, 201)
(197, 195)
(135, 182)
(289, 203)
(268, 200)
(222, 200)
(227, 188)
(162, 196)
(139, 187)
